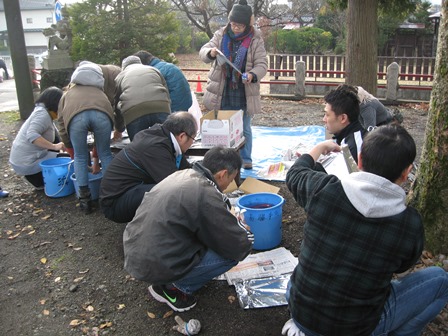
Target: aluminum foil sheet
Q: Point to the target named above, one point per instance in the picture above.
(262, 293)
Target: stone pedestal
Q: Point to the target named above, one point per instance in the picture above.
(57, 59)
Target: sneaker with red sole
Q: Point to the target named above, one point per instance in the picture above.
(173, 297)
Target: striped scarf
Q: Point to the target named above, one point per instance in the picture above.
(232, 43)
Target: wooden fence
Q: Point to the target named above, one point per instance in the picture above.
(419, 69)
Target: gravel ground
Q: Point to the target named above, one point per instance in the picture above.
(62, 272)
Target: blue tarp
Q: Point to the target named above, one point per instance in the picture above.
(271, 143)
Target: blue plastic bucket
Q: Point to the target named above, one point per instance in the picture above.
(56, 173)
(94, 185)
(264, 216)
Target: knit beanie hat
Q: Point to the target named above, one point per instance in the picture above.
(241, 13)
(130, 60)
(88, 73)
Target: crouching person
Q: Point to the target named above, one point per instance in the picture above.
(183, 234)
(359, 233)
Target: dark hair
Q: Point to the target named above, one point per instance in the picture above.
(145, 56)
(344, 100)
(180, 122)
(387, 151)
(219, 158)
(50, 97)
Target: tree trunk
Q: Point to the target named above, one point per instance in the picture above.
(362, 55)
(429, 193)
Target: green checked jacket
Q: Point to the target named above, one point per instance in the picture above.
(358, 233)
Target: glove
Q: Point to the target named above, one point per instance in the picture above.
(71, 151)
(290, 329)
(191, 327)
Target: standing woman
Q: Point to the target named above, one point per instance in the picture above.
(242, 45)
(36, 139)
(85, 107)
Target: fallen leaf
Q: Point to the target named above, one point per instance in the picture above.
(77, 248)
(151, 315)
(46, 312)
(231, 299)
(83, 272)
(168, 314)
(58, 279)
(43, 260)
(42, 301)
(121, 306)
(10, 278)
(78, 279)
(46, 217)
(69, 245)
(14, 236)
(9, 232)
(32, 232)
(106, 325)
(90, 308)
(74, 323)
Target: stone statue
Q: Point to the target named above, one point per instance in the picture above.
(59, 44)
(59, 34)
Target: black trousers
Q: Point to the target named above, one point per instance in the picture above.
(123, 208)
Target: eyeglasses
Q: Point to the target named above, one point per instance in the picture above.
(237, 25)
(188, 135)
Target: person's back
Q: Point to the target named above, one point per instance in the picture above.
(359, 232)
(144, 160)
(142, 96)
(85, 108)
(184, 234)
(154, 154)
(372, 112)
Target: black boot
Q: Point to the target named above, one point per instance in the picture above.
(85, 202)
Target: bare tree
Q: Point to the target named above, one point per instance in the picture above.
(203, 13)
(361, 47)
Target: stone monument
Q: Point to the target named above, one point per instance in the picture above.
(59, 44)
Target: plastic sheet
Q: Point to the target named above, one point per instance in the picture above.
(262, 293)
(271, 144)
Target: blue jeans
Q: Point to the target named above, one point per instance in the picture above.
(145, 122)
(210, 266)
(413, 302)
(246, 151)
(101, 125)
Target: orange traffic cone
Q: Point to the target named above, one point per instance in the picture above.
(199, 86)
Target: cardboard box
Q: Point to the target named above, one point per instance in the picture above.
(252, 186)
(225, 130)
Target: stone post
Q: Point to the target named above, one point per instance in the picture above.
(300, 79)
(34, 79)
(392, 81)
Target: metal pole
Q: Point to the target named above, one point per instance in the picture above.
(20, 66)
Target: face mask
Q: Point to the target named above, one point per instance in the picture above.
(53, 114)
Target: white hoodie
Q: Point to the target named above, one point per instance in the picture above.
(374, 196)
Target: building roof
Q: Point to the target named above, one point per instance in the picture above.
(31, 4)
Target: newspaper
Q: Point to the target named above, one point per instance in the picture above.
(340, 164)
(261, 265)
